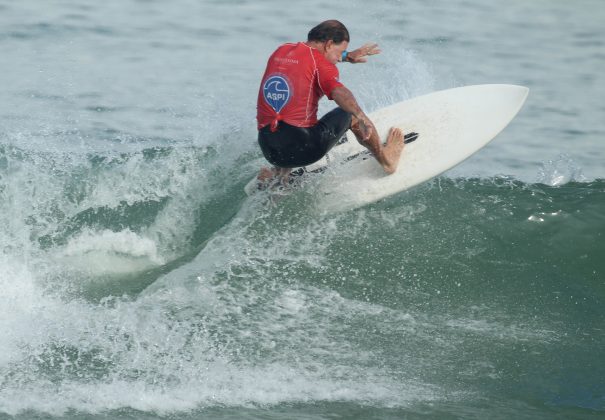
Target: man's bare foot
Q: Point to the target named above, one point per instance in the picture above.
(392, 150)
(268, 176)
(265, 174)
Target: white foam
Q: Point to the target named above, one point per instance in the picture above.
(559, 172)
(111, 252)
(234, 387)
(177, 349)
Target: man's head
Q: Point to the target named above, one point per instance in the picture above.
(333, 36)
(331, 30)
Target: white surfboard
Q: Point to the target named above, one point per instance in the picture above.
(452, 124)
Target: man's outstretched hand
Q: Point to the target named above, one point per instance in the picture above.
(359, 55)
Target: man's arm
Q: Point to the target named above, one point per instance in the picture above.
(345, 99)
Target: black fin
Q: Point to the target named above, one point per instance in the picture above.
(410, 137)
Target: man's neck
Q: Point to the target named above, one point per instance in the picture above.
(318, 45)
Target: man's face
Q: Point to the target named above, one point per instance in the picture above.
(333, 52)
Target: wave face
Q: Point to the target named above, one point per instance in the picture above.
(186, 295)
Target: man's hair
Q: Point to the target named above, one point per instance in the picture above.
(329, 30)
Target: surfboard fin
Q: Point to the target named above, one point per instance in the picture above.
(410, 137)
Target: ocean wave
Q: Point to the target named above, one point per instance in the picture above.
(141, 277)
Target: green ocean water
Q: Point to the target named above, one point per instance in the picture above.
(463, 297)
(138, 281)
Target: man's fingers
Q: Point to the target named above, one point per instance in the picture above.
(371, 48)
(358, 56)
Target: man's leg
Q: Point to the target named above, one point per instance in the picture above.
(279, 148)
(388, 154)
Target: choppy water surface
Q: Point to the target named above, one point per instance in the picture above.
(138, 280)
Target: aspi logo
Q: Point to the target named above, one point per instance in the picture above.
(276, 91)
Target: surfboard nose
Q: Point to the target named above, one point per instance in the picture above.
(521, 91)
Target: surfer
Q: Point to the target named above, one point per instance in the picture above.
(296, 77)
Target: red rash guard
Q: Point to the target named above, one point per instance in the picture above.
(297, 76)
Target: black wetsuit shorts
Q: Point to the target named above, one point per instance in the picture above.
(291, 147)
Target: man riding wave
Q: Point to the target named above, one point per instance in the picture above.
(296, 77)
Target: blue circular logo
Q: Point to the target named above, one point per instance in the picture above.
(276, 91)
